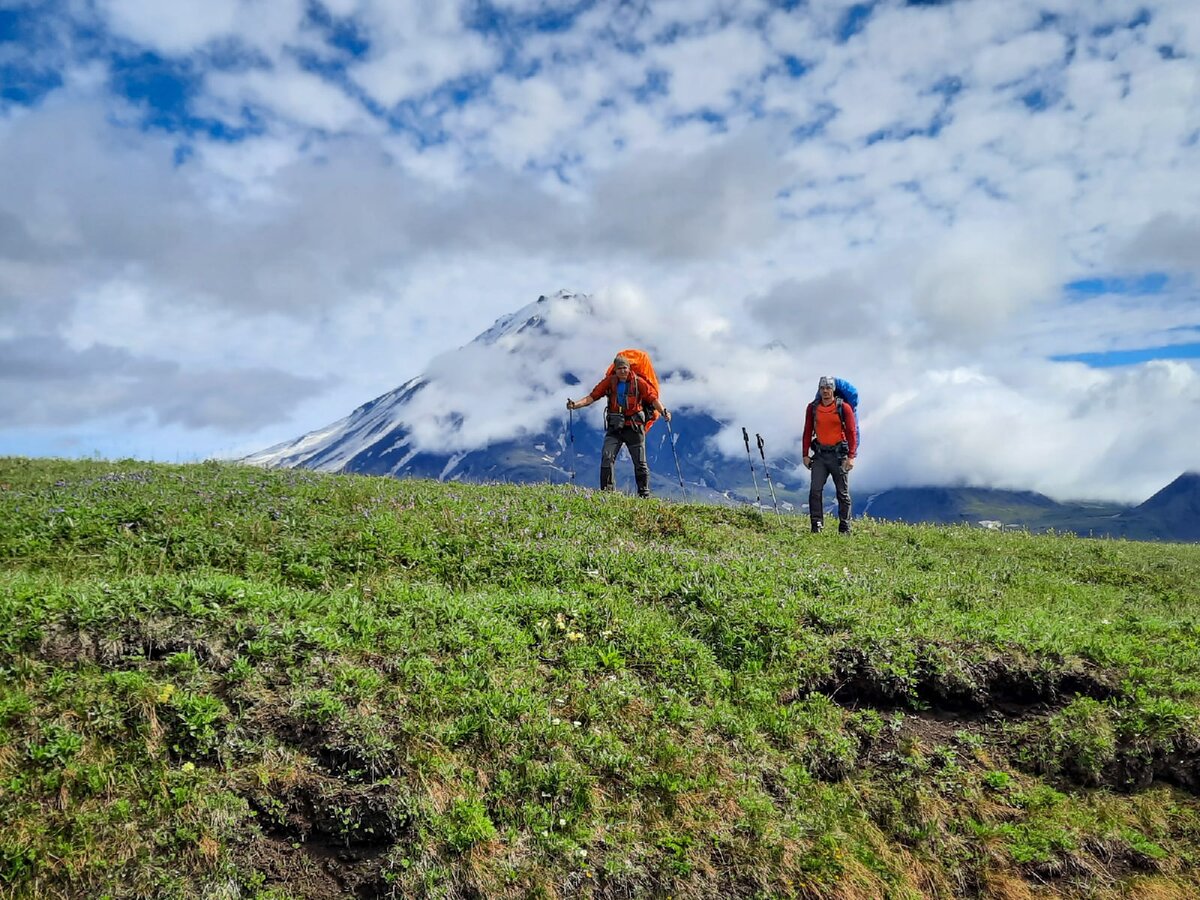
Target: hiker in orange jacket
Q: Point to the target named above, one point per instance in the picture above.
(830, 432)
(629, 398)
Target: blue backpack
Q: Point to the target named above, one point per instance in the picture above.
(845, 392)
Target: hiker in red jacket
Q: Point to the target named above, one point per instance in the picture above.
(830, 432)
(629, 395)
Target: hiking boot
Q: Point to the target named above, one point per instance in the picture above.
(843, 528)
(816, 527)
(645, 494)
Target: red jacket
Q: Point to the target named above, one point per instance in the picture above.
(636, 396)
(849, 431)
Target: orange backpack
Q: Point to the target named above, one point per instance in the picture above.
(639, 364)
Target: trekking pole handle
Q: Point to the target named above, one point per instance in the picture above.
(746, 438)
(761, 452)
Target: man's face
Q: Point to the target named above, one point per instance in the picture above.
(826, 394)
(622, 373)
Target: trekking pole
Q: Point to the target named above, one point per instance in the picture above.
(571, 435)
(746, 438)
(678, 471)
(768, 472)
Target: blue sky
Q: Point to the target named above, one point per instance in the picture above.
(225, 223)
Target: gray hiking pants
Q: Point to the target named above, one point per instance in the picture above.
(635, 440)
(828, 461)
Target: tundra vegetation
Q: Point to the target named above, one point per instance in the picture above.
(218, 681)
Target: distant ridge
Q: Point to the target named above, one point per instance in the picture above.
(949, 505)
(1172, 514)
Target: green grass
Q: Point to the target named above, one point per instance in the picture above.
(218, 681)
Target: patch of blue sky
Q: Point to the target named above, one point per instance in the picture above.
(1040, 99)
(674, 31)
(1140, 18)
(992, 190)
(949, 87)
(24, 79)
(1137, 285)
(854, 21)
(825, 113)
(1048, 19)
(903, 133)
(26, 86)
(564, 167)
(489, 19)
(1107, 359)
(840, 210)
(421, 116)
(334, 71)
(656, 85)
(890, 134)
(708, 116)
(11, 25)
(508, 30)
(163, 89)
(795, 66)
(343, 33)
(162, 86)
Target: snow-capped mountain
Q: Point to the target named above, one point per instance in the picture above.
(494, 410)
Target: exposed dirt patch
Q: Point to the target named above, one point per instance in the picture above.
(283, 865)
(1134, 767)
(929, 730)
(362, 818)
(947, 701)
(340, 835)
(936, 729)
(351, 756)
(944, 680)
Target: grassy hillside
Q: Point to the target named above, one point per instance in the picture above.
(224, 682)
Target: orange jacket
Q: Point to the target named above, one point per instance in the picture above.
(826, 426)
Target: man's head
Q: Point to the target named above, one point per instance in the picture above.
(621, 367)
(826, 386)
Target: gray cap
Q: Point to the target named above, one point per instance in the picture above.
(826, 382)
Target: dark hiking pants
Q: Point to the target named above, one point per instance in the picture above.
(635, 440)
(828, 461)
